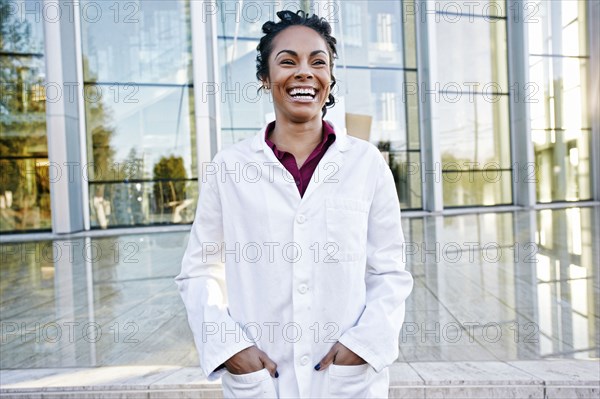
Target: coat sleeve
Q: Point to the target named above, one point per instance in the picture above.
(203, 289)
(375, 336)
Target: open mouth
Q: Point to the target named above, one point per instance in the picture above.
(302, 93)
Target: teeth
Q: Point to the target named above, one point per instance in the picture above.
(296, 91)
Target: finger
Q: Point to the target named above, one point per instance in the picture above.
(328, 358)
(269, 365)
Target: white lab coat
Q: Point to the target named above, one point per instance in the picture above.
(293, 275)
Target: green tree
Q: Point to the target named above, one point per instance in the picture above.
(170, 185)
(24, 182)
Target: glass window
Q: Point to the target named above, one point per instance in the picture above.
(558, 27)
(405, 166)
(474, 188)
(245, 19)
(475, 131)
(130, 138)
(412, 110)
(560, 120)
(169, 199)
(22, 27)
(371, 33)
(379, 95)
(562, 159)
(471, 55)
(24, 168)
(243, 106)
(471, 106)
(142, 42)
(558, 95)
(139, 107)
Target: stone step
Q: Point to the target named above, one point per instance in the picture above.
(518, 379)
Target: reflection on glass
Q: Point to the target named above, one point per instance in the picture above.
(562, 161)
(477, 188)
(412, 110)
(150, 140)
(474, 133)
(565, 271)
(24, 167)
(162, 201)
(558, 95)
(142, 41)
(243, 106)
(560, 121)
(371, 33)
(472, 108)
(539, 300)
(380, 95)
(558, 27)
(469, 52)
(405, 168)
(246, 18)
(543, 298)
(139, 108)
(21, 32)
(131, 136)
(472, 232)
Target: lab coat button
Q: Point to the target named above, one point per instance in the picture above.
(304, 360)
(301, 218)
(302, 288)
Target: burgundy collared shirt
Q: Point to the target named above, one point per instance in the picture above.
(303, 175)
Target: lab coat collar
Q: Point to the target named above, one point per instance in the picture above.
(334, 154)
(341, 142)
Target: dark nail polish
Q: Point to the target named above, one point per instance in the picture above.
(276, 374)
(318, 367)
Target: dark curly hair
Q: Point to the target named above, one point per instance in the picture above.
(288, 18)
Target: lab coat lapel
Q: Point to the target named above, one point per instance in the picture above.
(329, 165)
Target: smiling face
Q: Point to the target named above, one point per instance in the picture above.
(299, 74)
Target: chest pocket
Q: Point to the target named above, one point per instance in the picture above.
(347, 221)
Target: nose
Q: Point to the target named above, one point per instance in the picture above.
(303, 72)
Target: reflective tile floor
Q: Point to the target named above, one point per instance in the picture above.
(491, 286)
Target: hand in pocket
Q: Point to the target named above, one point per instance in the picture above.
(250, 360)
(340, 355)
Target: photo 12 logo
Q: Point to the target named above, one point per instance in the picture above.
(55, 11)
(68, 332)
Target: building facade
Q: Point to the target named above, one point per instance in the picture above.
(110, 110)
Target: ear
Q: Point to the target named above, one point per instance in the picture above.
(265, 83)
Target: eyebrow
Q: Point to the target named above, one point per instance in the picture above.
(295, 54)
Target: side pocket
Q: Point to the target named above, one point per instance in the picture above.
(349, 381)
(258, 384)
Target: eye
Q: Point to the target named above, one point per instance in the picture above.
(320, 62)
(287, 62)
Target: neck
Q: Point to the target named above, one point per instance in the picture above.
(297, 137)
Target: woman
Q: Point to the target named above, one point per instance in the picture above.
(293, 277)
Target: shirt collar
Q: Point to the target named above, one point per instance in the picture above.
(342, 143)
(328, 135)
